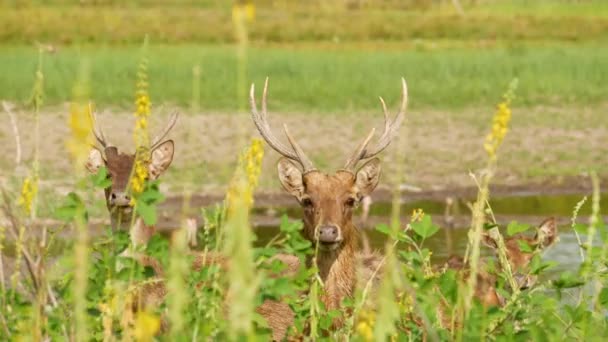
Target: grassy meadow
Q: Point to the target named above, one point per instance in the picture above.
(501, 93)
(319, 80)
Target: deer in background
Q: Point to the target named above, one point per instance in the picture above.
(328, 201)
(120, 166)
(151, 294)
(518, 259)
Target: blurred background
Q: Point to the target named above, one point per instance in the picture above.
(328, 61)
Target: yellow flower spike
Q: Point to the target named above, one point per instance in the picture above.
(140, 133)
(500, 122)
(29, 189)
(248, 169)
(365, 325)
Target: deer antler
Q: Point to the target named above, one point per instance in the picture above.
(97, 131)
(390, 128)
(260, 120)
(158, 139)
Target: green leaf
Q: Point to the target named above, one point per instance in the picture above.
(568, 280)
(425, 227)
(524, 247)
(514, 228)
(147, 212)
(604, 296)
(289, 226)
(384, 229)
(101, 179)
(151, 193)
(488, 226)
(71, 208)
(537, 265)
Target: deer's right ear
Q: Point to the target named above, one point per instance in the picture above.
(368, 176)
(95, 161)
(291, 178)
(547, 232)
(488, 240)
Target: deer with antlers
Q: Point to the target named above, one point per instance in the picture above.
(119, 167)
(328, 201)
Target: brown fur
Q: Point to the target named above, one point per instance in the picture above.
(519, 261)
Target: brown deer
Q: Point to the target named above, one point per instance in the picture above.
(518, 259)
(120, 166)
(151, 294)
(328, 201)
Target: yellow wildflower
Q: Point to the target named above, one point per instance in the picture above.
(246, 175)
(243, 9)
(29, 189)
(417, 215)
(79, 121)
(365, 325)
(500, 122)
(146, 326)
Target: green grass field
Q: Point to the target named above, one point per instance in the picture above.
(319, 80)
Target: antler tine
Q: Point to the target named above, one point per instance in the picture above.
(261, 123)
(359, 152)
(390, 128)
(302, 158)
(166, 131)
(97, 131)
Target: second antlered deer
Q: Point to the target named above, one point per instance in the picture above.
(119, 167)
(328, 200)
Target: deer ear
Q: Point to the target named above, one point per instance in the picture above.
(162, 156)
(547, 232)
(488, 241)
(367, 177)
(95, 161)
(291, 178)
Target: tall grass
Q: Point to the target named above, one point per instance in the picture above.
(320, 80)
(98, 300)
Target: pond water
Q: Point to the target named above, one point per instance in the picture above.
(530, 209)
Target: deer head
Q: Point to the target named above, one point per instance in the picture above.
(519, 256)
(328, 200)
(120, 166)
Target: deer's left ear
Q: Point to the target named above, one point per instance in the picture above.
(367, 177)
(95, 161)
(162, 156)
(547, 232)
(487, 240)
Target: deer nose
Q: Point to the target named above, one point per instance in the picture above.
(120, 199)
(328, 233)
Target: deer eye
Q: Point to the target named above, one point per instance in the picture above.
(350, 202)
(306, 203)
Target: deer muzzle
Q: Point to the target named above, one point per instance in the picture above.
(119, 199)
(329, 236)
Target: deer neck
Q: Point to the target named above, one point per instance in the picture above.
(337, 270)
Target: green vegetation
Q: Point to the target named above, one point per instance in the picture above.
(212, 281)
(290, 21)
(321, 80)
